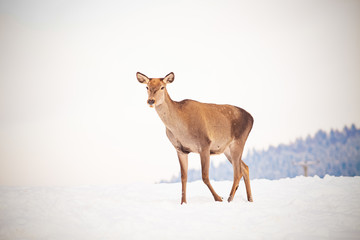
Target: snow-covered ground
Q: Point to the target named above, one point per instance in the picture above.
(299, 208)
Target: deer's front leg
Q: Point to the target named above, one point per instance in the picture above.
(183, 160)
(205, 167)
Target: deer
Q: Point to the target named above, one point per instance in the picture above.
(203, 128)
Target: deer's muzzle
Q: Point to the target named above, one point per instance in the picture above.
(151, 102)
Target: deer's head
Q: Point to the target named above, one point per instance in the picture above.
(156, 87)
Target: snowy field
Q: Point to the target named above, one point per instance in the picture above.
(299, 208)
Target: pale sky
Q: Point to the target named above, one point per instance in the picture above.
(72, 111)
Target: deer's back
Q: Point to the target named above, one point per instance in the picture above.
(218, 124)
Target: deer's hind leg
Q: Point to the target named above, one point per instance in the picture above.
(245, 171)
(234, 155)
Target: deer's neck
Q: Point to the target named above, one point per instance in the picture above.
(168, 112)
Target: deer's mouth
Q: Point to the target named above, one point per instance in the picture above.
(151, 102)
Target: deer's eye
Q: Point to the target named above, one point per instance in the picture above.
(162, 88)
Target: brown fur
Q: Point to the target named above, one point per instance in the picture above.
(202, 128)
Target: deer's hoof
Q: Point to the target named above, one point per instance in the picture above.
(218, 199)
(230, 199)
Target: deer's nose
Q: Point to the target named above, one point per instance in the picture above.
(151, 101)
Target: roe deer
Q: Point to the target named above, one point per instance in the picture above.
(202, 128)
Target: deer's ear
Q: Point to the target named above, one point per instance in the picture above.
(142, 78)
(169, 78)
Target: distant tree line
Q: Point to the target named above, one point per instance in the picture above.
(336, 153)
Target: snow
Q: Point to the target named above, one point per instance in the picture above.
(298, 208)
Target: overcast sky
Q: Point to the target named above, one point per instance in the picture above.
(72, 111)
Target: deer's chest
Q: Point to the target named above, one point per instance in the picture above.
(185, 142)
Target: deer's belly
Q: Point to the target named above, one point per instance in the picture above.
(195, 147)
(187, 143)
(218, 147)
